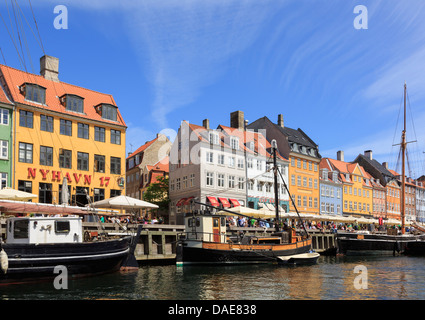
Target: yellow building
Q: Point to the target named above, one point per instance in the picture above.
(357, 188)
(64, 131)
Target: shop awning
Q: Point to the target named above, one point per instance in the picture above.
(180, 202)
(213, 201)
(224, 202)
(187, 202)
(235, 202)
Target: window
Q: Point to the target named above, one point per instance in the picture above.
(259, 165)
(220, 180)
(99, 194)
(231, 162)
(240, 163)
(62, 226)
(3, 180)
(184, 182)
(99, 163)
(66, 127)
(46, 156)
(292, 162)
(35, 93)
(259, 186)
(241, 183)
(82, 161)
(45, 193)
(26, 118)
(231, 181)
(213, 138)
(20, 229)
(99, 134)
(4, 116)
(4, 149)
(65, 158)
(234, 143)
(115, 136)
(210, 157)
(293, 179)
(109, 112)
(192, 179)
(25, 186)
(46, 123)
(83, 130)
(25, 152)
(221, 159)
(210, 179)
(249, 163)
(178, 184)
(74, 103)
(115, 165)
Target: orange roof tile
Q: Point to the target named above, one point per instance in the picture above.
(142, 148)
(15, 78)
(3, 97)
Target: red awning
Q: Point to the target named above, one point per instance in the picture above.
(188, 201)
(235, 202)
(180, 202)
(213, 201)
(224, 202)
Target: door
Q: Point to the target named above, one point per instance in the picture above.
(216, 229)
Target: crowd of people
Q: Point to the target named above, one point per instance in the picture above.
(131, 219)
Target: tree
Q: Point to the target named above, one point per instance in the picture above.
(157, 193)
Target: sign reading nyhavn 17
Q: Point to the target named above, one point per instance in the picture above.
(74, 177)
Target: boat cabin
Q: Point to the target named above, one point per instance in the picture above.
(210, 228)
(37, 230)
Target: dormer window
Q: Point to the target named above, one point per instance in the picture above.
(34, 92)
(234, 143)
(73, 103)
(107, 111)
(213, 138)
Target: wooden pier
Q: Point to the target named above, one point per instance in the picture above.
(157, 242)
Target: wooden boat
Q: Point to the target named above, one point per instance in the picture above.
(206, 240)
(34, 246)
(302, 258)
(357, 243)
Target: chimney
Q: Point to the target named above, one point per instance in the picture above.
(237, 120)
(340, 155)
(280, 120)
(368, 154)
(206, 123)
(49, 68)
(385, 164)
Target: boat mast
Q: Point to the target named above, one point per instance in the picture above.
(403, 175)
(276, 189)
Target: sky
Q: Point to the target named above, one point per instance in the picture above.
(165, 61)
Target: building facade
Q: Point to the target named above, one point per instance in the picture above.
(64, 131)
(148, 154)
(331, 201)
(304, 160)
(6, 143)
(357, 188)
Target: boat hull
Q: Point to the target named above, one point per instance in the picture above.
(370, 244)
(33, 262)
(225, 253)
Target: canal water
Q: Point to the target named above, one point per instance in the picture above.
(332, 278)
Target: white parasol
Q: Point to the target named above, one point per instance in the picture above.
(12, 194)
(123, 203)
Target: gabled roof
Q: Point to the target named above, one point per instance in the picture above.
(54, 90)
(378, 166)
(3, 97)
(142, 148)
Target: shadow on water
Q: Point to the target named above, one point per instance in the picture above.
(332, 278)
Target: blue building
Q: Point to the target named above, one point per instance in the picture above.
(330, 190)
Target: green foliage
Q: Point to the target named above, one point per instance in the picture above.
(157, 193)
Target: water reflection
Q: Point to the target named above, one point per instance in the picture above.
(332, 278)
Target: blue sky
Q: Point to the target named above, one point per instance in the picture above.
(165, 61)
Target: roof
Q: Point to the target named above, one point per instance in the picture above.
(377, 165)
(162, 165)
(293, 136)
(3, 97)
(54, 90)
(142, 148)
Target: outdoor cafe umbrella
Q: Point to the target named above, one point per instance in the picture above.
(12, 194)
(123, 203)
(247, 212)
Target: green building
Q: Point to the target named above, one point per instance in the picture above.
(6, 154)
